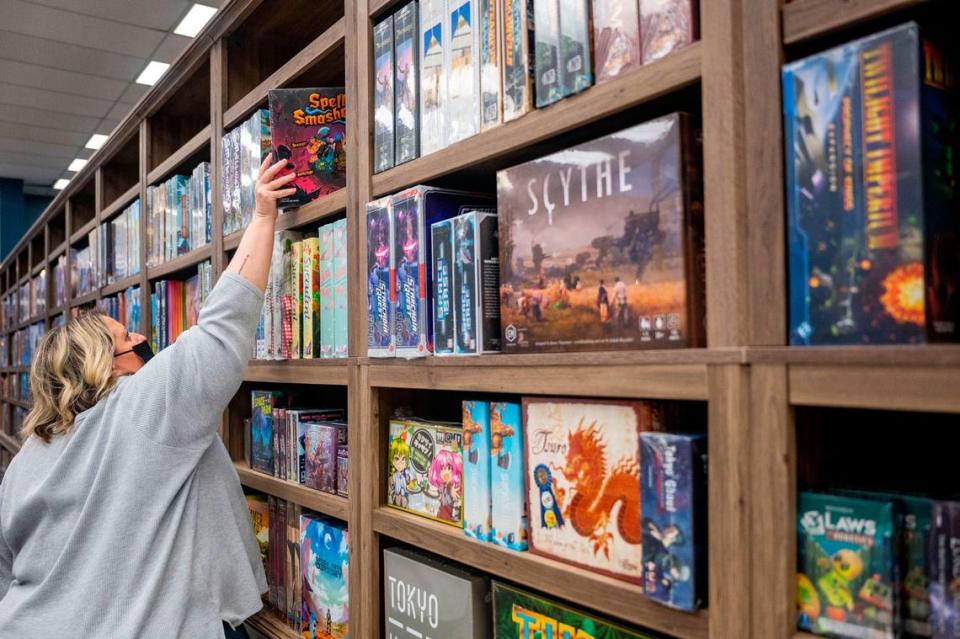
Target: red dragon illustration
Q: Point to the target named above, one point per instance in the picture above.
(595, 492)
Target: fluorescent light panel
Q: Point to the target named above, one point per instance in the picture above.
(77, 164)
(96, 141)
(198, 16)
(61, 184)
(152, 73)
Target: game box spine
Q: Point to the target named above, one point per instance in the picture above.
(476, 470)
(518, 58)
(296, 288)
(945, 570)
(547, 58)
(340, 280)
(576, 66)
(488, 266)
(694, 237)
(433, 40)
(509, 515)
(381, 283)
(383, 96)
(327, 305)
(441, 237)
(462, 108)
(490, 22)
(667, 25)
(412, 287)
(616, 37)
(465, 284)
(406, 87)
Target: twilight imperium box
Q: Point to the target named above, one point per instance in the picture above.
(601, 245)
(871, 138)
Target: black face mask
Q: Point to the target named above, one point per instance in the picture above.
(141, 350)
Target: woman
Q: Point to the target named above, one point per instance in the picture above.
(122, 515)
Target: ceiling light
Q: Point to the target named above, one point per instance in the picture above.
(152, 73)
(77, 165)
(96, 141)
(194, 21)
(61, 184)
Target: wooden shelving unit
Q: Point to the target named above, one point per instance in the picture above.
(754, 385)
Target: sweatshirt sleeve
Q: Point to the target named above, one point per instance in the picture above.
(185, 388)
(6, 561)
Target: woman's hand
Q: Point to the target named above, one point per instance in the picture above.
(270, 187)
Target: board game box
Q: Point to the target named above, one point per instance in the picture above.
(673, 498)
(576, 67)
(260, 518)
(847, 571)
(583, 482)
(518, 58)
(667, 25)
(476, 470)
(426, 469)
(261, 429)
(300, 420)
(340, 272)
(509, 525)
(343, 471)
(327, 304)
(491, 87)
(320, 456)
(444, 331)
(519, 614)
(462, 108)
(547, 47)
(307, 128)
(433, 39)
(476, 283)
(311, 297)
(616, 37)
(383, 96)
(381, 285)
(324, 567)
(871, 130)
(406, 82)
(945, 570)
(424, 596)
(605, 254)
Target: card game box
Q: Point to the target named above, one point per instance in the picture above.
(673, 499)
(476, 470)
(327, 303)
(324, 567)
(667, 25)
(383, 95)
(380, 280)
(425, 473)
(870, 129)
(945, 570)
(444, 331)
(518, 58)
(476, 283)
(340, 271)
(433, 87)
(462, 108)
(307, 128)
(424, 596)
(509, 522)
(583, 482)
(546, 16)
(847, 568)
(343, 471)
(300, 420)
(491, 87)
(616, 37)
(606, 254)
(406, 83)
(576, 66)
(519, 614)
(320, 442)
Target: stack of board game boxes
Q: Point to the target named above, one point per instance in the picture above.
(123, 307)
(600, 484)
(445, 70)
(178, 215)
(120, 248)
(175, 305)
(571, 256)
(83, 270)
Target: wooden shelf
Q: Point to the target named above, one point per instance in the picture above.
(325, 503)
(313, 211)
(232, 241)
(83, 231)
(55, 253)
(85, 299)
(181, 155)
(267, 623)
(120, 285)
(328, 372)
(120, 203)
(582, 587)
(376, 6)
(179, 263)
(17, 402)
(807, 19)
(314, 52)
(670, 74)
(930, 355)
(10, 443)
(56, 310)
(36, 269)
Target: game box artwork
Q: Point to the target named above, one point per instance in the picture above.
(462, 107)
(507, 477)
(945, 570)
(380, 280)
(547, 52)
(343, 471)
(433, 38)
(260, 518)
(320, 456)
(383, 97)
(476, 469)
(441, 239)
(673, 498)
(871, 157)
(583, 482)
(518, 58)
(576, 67)
(616, 37)
(491, 87)
(427, 597)
(847, 572)
(324, 564)
(308, 129)
(406, 95)
(476, 283)
(261, 429)
(518, 614)
(667, 25)
(601, 245)
(425, 470)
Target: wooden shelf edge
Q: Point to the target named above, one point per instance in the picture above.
(10, 443)
(807, 19)
(321, 502)
(376, 6)
(605, 594)
(120, 285)
(120, 203)
(268, 624)
(37, 268)
(187, 260)
(17, 402)
(83, 231)
(55, 253)
(314, 211)
(178, 157)
(56, 310)
(329, 372)
(645, 83)
(932, 355)
(85, 299)
(322, 46)
(232, 241)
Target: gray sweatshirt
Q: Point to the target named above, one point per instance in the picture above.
(134, 524)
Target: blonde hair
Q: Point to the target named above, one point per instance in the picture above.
(72, 371)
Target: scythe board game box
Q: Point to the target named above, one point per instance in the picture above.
(476, 469)
(433, 36)
(406, 78)
(673, 498)
(576, 67)
(518, 58)
(945, 573)
(324, 565)
(425, 470)
(601, 245)
(546, 16)
(381, 285)
(412, 212)
(616, 37)
(424, 596)
(441, 240)
(509, 522)
(847, 571)
(307, 128)
(476, 283)
(871, 129)
(462, 108)
(519, 614)
(383, 97)
(491, 87)
(583, 482)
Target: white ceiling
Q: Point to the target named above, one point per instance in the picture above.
(67, 70)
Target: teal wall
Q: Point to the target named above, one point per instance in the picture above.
(17, 213)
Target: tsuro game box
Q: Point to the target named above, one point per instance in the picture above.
(601, 245)
(871, 132)
(424, 596)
